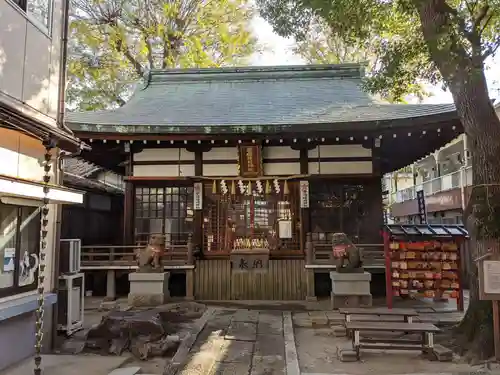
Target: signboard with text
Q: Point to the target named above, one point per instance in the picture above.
(489, 280)
(250, 261)
(304, 194)
(198, 196)
(250, 161)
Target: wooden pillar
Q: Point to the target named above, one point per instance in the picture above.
(197, 239)
(304, 212)
(310, 285)
(128, 207)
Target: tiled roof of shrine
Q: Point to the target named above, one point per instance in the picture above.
(254, 99)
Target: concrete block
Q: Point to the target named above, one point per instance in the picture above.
(442, 353)
(148, 289)
(107, 305)
(303, 323)
(341, 301)
(318, 321)
(346, 354)
(350, 284)
(126, 371)
(339, 331)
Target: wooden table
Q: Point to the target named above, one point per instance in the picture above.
(406, 314)
(425, 344)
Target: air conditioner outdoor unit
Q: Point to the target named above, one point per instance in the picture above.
(70, 303)
(70, 250)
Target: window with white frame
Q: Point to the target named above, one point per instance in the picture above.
(19, 248)
(39, 10)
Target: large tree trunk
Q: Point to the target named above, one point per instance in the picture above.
(464, 74)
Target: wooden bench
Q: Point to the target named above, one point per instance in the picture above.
(425, 344)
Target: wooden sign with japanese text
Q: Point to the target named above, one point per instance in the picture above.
(250, 160)
(250, 261)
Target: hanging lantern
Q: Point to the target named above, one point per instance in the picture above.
(214, 188)
(286, 191)
(268, 187)
(249, 188)
(233, 188)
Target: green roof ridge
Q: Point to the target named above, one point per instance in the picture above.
(351, 70)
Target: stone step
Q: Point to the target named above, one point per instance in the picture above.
(126, 371)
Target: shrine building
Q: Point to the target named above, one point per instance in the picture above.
(242, 168)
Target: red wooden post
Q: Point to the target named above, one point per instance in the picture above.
(388, 275)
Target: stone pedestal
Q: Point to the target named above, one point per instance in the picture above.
(148, 289)
(350, 290)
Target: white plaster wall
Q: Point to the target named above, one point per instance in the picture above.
(163, 170)
(223, 170)
(341, 167)
(221, 153)
(281, 169)
(21, 156)
(280, 152)
(164, 154)
(29, 58)
(331, 151)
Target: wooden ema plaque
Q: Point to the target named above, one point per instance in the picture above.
(250, 160)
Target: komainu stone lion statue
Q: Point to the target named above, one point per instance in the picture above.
(149, 258)
(348, 258)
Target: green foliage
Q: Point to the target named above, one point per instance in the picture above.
(391, 34)
(113, 43)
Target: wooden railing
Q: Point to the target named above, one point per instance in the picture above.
(125, 256)
(320, 253)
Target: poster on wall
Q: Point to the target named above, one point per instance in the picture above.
(304, 194)
(285, 229)
(198, 196)
(8, 259)
(491, 276)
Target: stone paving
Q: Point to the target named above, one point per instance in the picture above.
(242, 342)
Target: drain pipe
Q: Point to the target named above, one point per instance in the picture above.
(58, 168)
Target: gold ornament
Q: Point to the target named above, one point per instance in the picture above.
(286, 191)
(268, 187)
(249, 188)
(233, 188)
(214, 188)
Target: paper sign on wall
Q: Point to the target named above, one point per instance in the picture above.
(8, 259)
(304, 194)
(285, 229)
(198, 196)
(491, 274)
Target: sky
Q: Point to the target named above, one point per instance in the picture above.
(278, 51)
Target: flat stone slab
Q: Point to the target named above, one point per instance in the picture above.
(270, 324)
(270, 345)
(126, 371)
(250, 316)
(268, 365)
(241, 331)
(237, 351)
(225, 368)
